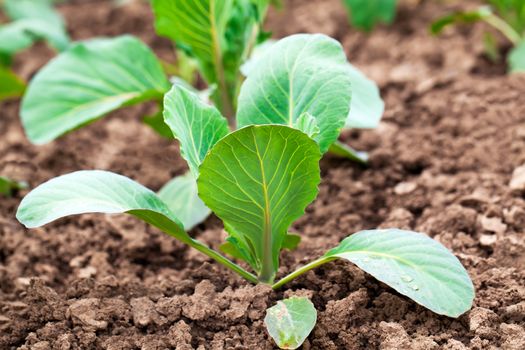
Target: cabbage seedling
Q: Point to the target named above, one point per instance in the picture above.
(30, 21)
(98, 76)
(260, 178)
(506, 16)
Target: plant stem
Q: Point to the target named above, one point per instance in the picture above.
(302, 270)
(504, 28)
(224, 95)
(222, 260)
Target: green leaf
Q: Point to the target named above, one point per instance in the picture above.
(291, 241)
(156, 122)
(291, 321)
(460, 17)
(298, 74)
(32, 21)
(414, 265)
(259, 180)
(87, 81)
(41, 9)
(366, 107)
(7, 186)
(196, 125)
(198, 26)
(96, 191)
(21, 34)
(307, 124)
(342, 150)
(365, 14)
(181, 197)
(10, 84)
(516, 58)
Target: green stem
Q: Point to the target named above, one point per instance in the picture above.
(504, 28)
(302, 270)
(224, 96)
(222, 260)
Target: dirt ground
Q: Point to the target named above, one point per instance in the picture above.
(442, 162)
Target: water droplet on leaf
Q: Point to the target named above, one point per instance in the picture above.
(407, 278)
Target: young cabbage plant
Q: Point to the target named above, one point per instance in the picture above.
(30, 21)
(505, 16)
(301, 74)
(366, 14)
(260, 178)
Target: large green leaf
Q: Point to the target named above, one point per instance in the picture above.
(291, 321)
(258, 180)
(198, 26)
(298, 74)
(366, 107)
(181, 197)
(517, 58)
(365, 14)
(414, 265)
(96, 191)
(10, 84)
(196, 125)
(87, 81)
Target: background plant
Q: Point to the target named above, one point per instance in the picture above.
(366, 14)
(506, 16)
(30, 21)
(260, 178)
(95, 77)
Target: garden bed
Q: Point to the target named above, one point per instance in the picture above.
(441, 163)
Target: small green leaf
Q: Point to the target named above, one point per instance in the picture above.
(10, 84)
(298, 74)
(20, 34)
(342, 150)
(180, 195)
(195, 124)
(517, 58)
(258, 180)
(414, 265)
(365, 14)
(87, 81)
(291, 241)
(366, 107)
(96, 191)
(307, 124)
(41, 9)
(460, 17)
(7, 186)
(32, 20)
(291, 321)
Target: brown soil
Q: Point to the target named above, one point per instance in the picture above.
(441, 163)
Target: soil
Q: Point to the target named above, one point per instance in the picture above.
(443, 161)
